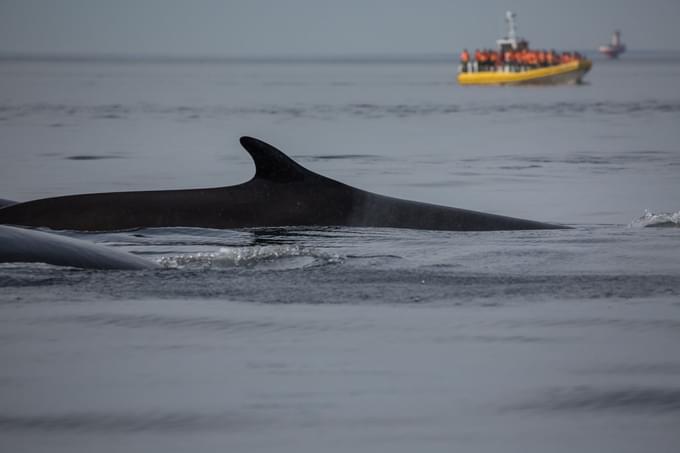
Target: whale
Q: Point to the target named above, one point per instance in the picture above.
(22, 245)
(5, 203)
(281, 193)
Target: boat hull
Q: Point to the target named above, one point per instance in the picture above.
(612, 52)
(566, 73)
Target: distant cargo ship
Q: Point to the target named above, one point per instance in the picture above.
(514, 63)
(615, 48)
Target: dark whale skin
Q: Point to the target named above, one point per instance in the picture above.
(282, 193)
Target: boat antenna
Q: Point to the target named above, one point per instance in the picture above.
(512, 29)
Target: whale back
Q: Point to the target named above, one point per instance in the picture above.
(21, 245)
(281, 193)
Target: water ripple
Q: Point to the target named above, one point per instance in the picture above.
(590, 399)
(362, 110)
(127, 422)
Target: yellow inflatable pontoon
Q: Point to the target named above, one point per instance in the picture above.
(571, 72)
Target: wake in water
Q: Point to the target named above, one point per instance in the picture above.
(663, 219)
(268, 256)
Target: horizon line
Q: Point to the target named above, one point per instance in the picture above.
(378, 57)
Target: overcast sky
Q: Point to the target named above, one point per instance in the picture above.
(320, 27)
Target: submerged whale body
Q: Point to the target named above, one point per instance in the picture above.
(21, 245)
(282, 193)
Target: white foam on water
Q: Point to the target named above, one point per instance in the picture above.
(270, 256)
(662, 219)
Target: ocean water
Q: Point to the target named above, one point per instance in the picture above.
(349, 339)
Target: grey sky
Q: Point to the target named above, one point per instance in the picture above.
(319, 27)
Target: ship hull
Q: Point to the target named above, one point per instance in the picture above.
(612, 52)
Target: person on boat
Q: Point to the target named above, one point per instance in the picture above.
(550, 58)
(508, 59)
(533, 59)
(483, 60)
(464, 61)
(516, 60)
(542, 62)
(478, 55)
(493, 60)
(524, 59)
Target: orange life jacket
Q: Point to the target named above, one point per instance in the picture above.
(524, 57)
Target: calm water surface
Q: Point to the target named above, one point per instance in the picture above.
(338, 339)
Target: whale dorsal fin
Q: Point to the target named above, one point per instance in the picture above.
(272, 164)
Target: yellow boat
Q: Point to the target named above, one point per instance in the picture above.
(571, 72)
